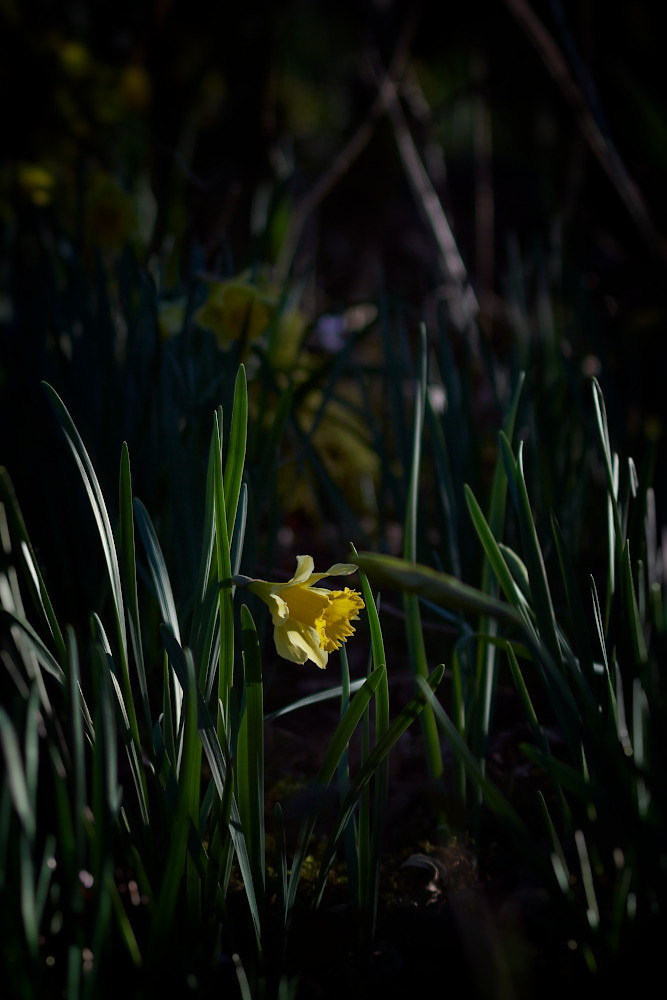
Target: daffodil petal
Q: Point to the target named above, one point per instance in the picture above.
(278, 608)
(338, 569)
(305, 604)
(298, 643)
(340, 611)
(304, 570)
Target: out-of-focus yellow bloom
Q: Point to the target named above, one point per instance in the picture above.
(234, 306)
(135, 88)
(285, 345)
(341, 440)
(251, 304)
(170, 318)
(36, 183)
(75, 59)
(110, 215)
(309, 622)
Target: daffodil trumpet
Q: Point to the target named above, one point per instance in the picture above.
(308, 622)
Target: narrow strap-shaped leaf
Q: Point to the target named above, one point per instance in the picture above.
(158, 567)
(125, 929)
(281, 861)
(219, 771)
(132, 744)
(27, 893)
(410, 541)
(162, 586)
(195, 861)
(78, 769)
(446, 489)
(413, 625)
(349, 836)
(105, 803)
(620, 715)
(492, 549)
(597, 613)
(498, 501)
(44, 875)
(129, 569)
(407, 715)
(107, 792)
(640, 735)
(97, 504)
(178, 834)
(346, 727)
(314, 699)
(568, 778)
(238, 433)
(31, 744)
(337, 746)
(632, 610)
(168, 726)
(587, 878)
(101, 516)
(226, 610)
(206, 727)
(562, 870)
(539, 586)
(43, 654)
(441, 588)
(250, 752)
(525, 698)
(39, 593)
(610, 460)
(486, 665)
(206, 568)
(575, 603)
(518, 569)
(493, 797)
(381, 779)
(16, 777)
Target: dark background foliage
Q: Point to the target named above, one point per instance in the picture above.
(412, 157)
(223, 125)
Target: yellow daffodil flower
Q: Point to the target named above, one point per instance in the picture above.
(110, 214)
(37, 183)
(170, 318)
(251, 304)
(309, 622)
(235, 306)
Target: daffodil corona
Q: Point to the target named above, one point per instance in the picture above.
(309, 622)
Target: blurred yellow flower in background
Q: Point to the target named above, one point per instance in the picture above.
(234, 307)
(309, 622)
(170, 318)
(135, 88)
(341, 439)
(287, 339)
(109, 212)
(37, 183)
(250, 304)
(75, 59)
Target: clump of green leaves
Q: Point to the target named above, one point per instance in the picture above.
(585, 659)
(133, 814)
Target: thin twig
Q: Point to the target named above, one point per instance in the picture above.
(458, 290)
(600, 144)
(345, 158)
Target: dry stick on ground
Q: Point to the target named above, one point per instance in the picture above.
(600, 144)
